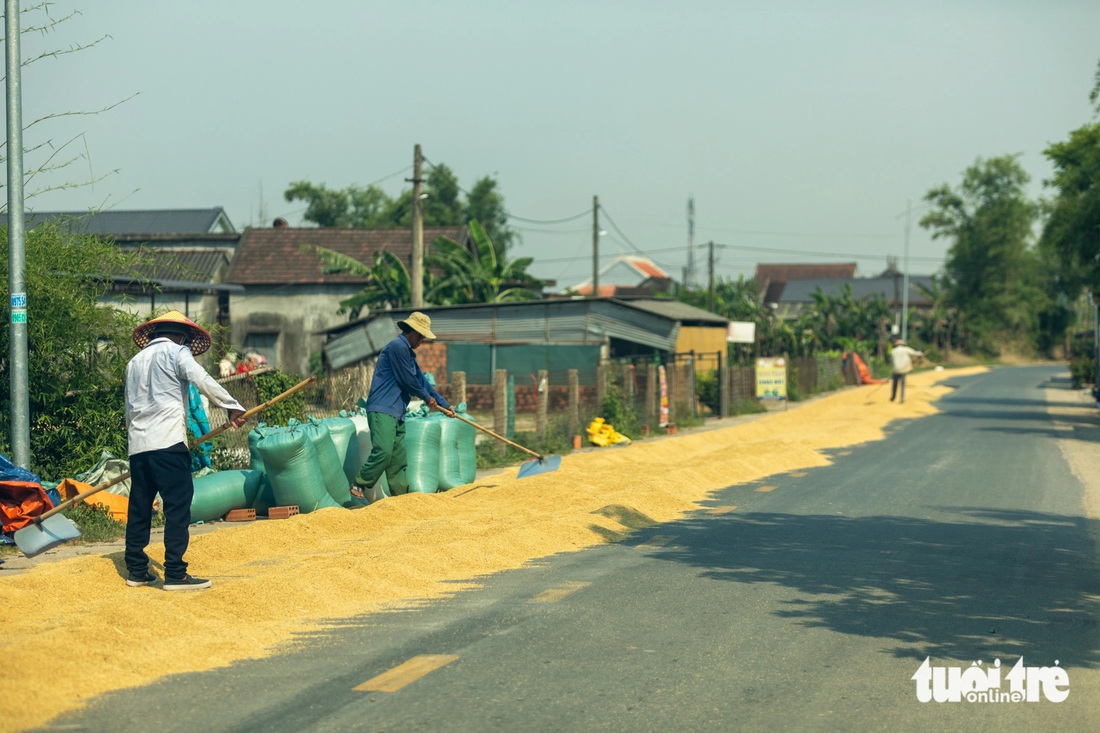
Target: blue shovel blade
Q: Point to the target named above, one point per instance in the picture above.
(535, 466)
(34, 539)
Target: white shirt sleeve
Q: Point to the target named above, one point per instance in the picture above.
(189, 369)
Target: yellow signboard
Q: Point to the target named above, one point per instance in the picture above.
(771, 379)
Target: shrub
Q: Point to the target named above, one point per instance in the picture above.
(77, 351)
(273, 384)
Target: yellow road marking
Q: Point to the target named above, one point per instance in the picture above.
(556, 594)
(721, 509)
(844, 453)
(657, 540)
(767, 488)
(799, 474)
(406, 672)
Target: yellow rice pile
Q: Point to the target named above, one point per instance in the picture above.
(73, 630)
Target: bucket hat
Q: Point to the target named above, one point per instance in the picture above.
(420, 323)
(174, 322)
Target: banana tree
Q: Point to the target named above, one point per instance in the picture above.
(484, 277)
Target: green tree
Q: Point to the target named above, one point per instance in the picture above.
(993, 275)
(453, 274)
(485, 204)
(78, 350)
(484, 276)
(349, 207)
(443, 205)
(1072, 231)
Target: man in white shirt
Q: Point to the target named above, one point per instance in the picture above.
(902, 358)
(156, 422)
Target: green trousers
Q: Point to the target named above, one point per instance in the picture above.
(387, 454)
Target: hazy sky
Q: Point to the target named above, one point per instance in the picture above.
(801, 128)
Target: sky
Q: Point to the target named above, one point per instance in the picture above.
(803, 130)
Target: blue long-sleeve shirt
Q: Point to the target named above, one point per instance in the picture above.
(397, 379)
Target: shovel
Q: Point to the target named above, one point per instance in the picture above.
(539, 464)
(51, 528)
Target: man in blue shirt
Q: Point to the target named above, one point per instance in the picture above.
(397, 379)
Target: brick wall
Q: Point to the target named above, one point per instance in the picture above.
(432, 357)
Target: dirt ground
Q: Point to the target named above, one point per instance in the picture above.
(73, 630)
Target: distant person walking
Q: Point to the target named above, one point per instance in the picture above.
(901, 357)
(397, 379)
(157, 380)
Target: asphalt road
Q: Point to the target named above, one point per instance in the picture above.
(806, 601)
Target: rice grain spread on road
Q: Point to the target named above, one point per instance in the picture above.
(73, 630)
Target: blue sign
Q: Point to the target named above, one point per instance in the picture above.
(18, 300)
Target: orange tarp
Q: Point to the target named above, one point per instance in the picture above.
(21, 502)
(865, 373)
(116, 504)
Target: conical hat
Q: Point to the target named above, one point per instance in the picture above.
(200, 339)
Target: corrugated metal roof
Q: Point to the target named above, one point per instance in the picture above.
(559, 321)
(145, 221)
(676, 310)
(359, 343)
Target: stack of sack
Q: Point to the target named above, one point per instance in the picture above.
(313, 464)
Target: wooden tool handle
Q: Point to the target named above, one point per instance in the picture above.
(197, 441)
(499, 437)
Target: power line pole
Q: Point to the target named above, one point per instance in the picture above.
(595, 246)
(17, 346)
(689, 277)
(905, 276)
(710, 275)
(416, 274)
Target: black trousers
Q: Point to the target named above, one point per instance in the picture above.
(167, 471)
(895, 381)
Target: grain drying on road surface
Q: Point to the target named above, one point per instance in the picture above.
(73, 630)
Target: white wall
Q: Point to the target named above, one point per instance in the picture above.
(295, 312)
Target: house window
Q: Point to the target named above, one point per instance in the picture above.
(264, 344)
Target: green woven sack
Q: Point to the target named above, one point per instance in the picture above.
(457, 455)
(290, 461)
(422, 436)
(219, 492)
(265, 497)
(329, 461)
(342, 430)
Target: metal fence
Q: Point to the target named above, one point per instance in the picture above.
(640, 395)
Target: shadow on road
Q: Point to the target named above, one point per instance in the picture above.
(994, 584)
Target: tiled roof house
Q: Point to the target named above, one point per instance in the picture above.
(289, 298)
(628, 275)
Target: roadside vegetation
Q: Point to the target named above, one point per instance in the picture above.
(1020, 282)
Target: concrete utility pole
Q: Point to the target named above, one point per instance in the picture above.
(595, 246)
(416, 271)
(17, 286)
(905, 276)
(689, 276)
(710, 275)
